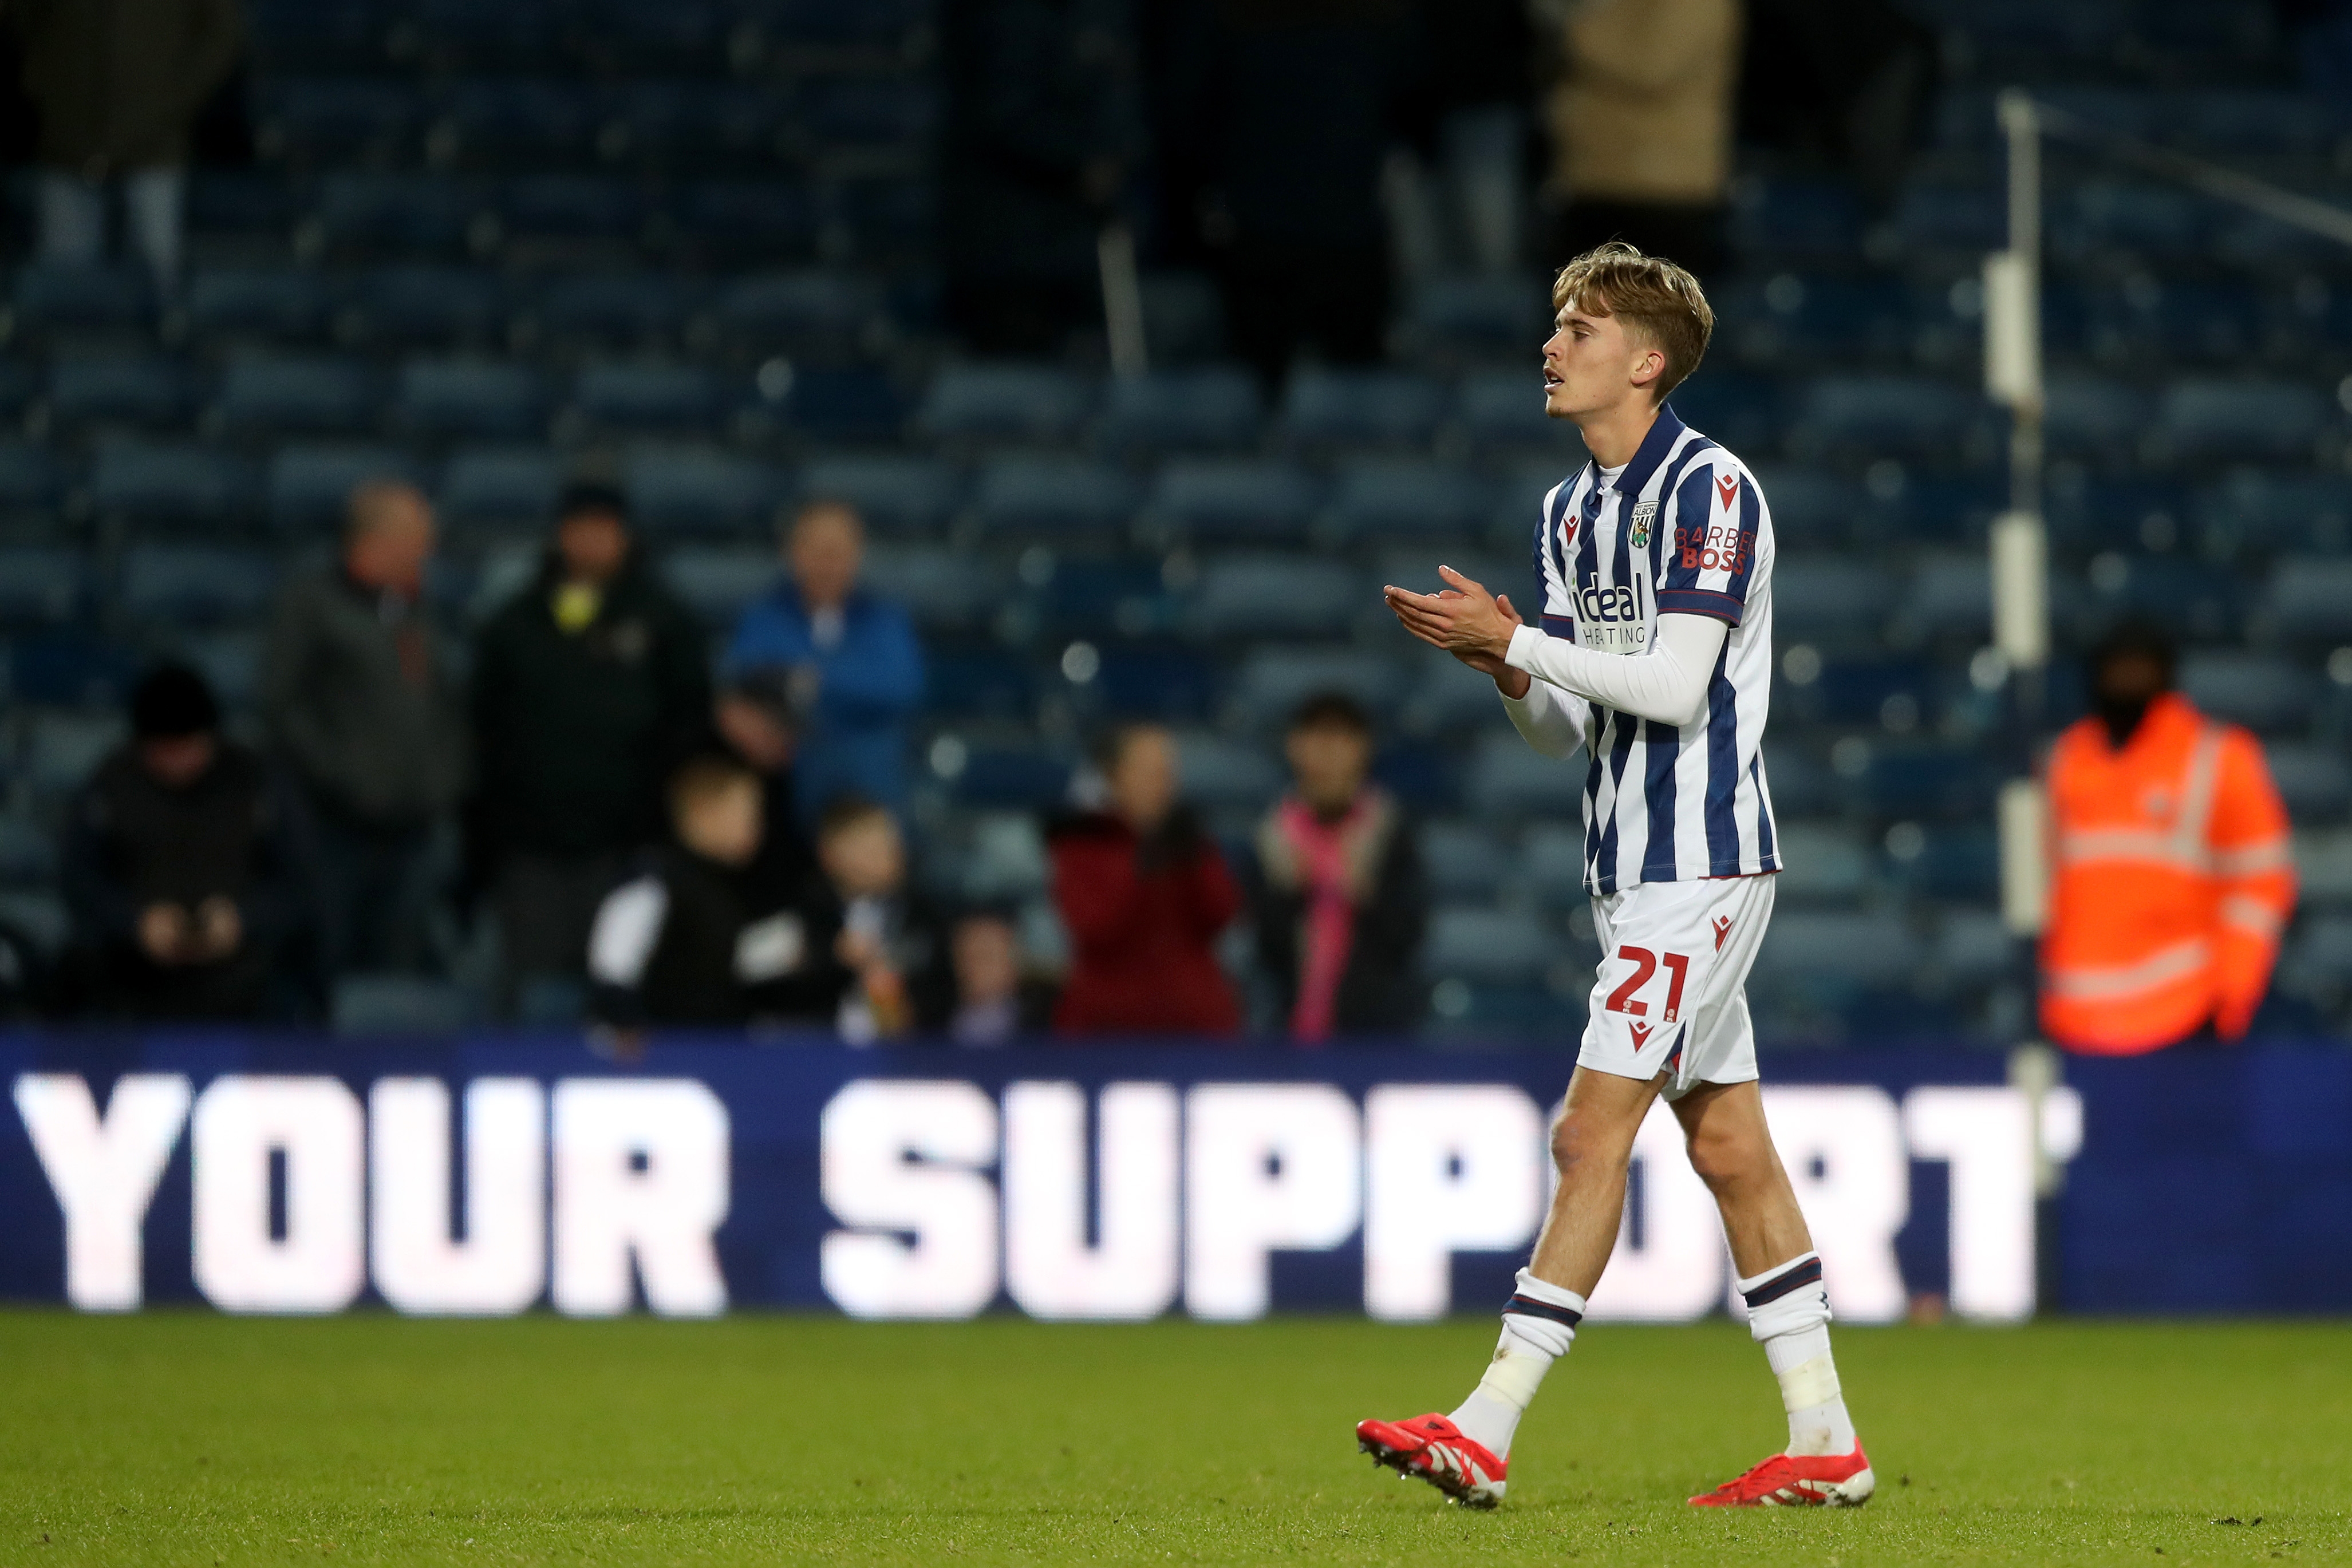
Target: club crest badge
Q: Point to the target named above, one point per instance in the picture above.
(1645, 513)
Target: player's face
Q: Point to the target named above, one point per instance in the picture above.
(1589, 364)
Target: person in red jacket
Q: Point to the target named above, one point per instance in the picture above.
(1144, 893)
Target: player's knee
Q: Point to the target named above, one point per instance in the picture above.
(1725, 1157)
(1580, 1140)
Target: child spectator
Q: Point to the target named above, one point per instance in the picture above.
(188, 868)
(1144, 893)
(994, 1001)
(888, 948)
(1341, 900)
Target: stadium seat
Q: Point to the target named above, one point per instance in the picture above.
(1867, 691)
(132, 391)
(867, 27)
(1256, 595)
(646, 397)
(1903, 783)
(1802, 785)
(1002, 403)
(486, 400)
(1932, 218)
(677, 126)
(1328, 408)
(1463, 861)
(499, 488)
(1205, 409)
(1454, 321)
(60, 750)
(230, 661)
(1481, 943)
(240, 207)
(1003, 857)
(318, 34)
(2239, 420)
(310, 484)
(942, 589)
(2206, 604)
(570, 216)
(28, 851)
(1273, 682)
(1108, 597)
(1234, 501)
(284, 305)
(30, 479)
(183, 585)
(1552, 865)
(1796, 221)
(56, 299)
(2261, 691)
(1741, 411)
(1377, 498)
(1509, 780)
(1811, 508)
(2180, 322)
(1183, 317)
(363, 216)
(1501, 413)
(41, 585)
(607, 310)
(756, 221)
(1881, 416)
(394, 1005)
(513, 123)
(718, 583)
(812, 314)
(902, 495)
(178, 483)
(849, 403)
(1447, 697)
(2268, 511)
(309, 394)
(317, 122)
(2314, 780)
(1063, 498)
(450, 35)
(1830, 600)
(1950, 599)
(2094, 417)
(1972, 947)
(688, 489)
(1866, 949)
(891, 219)
(1009, 778)
(1156, 680)
(1957, 861)
(2310, 598)
(426, 308)
(1821, 862)
(2111, 220)
(1823, 319)
(1224, 777)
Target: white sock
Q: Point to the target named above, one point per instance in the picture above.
(1539, 1325)
(1789, 1314)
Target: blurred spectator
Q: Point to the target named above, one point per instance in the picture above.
(1460, 201)
(1298, 103)
(850, 661)
(1641, 128)
(754, 717)
(589, 687)
(2173, 878)
(1045, 129)
(994, 1000)
(1144, 893)
(117, 87)
(1340, 902)
(188, 869)
(895, 969)
(705, 932)
(361, 701)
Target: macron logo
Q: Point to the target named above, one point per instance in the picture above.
(1640, 1032)
(1728, 486)
(1722, 930)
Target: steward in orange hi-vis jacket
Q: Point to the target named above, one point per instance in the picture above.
(2171, 879)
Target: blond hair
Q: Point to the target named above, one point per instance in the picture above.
(1661, 302)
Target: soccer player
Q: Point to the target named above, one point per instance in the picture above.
(1654, 651)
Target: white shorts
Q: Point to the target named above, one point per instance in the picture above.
(1671, 994)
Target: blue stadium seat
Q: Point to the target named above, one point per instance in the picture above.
(1488, 1012)
(2111, 219)
(60, 750)
(569, 210)
(2240, 419)
(30, 478)
(1792, 220)
(503, 122)
(1360, 408)
(1552, 863)
(2089, 416)
(849, 404)
(1107, 598)
(1273, 682)
(1519, 494)
(900, 495)
(18, 385)
(1224, 777)
(1005, 778)
(1465, 860)
(1002, 403)
(1447, 697)
(611, 310)
(865, 114)
(882, 25)
(290, 305)
(1855, 947)
(1452, 322)
(318, 35)
(1950, 599)
(1912, 783)
(1972, 947)
(1936, 218)
(64, 666)
(1508, 778)
(700, 490)
(51, 298)
(179, 481)
(1880, 417)
(1801, 786)
(1385, 499)
(1811, 507)
(1480, 942)
(28, 851)
(1831, 600)
(310, 483)
(336, 121)
(500, 488)
(2181, 591)
(759, 220)
(486, 400)
(691, 125)
(2314, 780)
(426, 306)
(137, 390)
(1501, 413)
(2093, 511)
(230, 661)
(718, 583)
(419, 215)
(810, 314)
(1059, 497)
(648, 396)
(243, 206)
(634, 37)
(2261, 691)
(942, 589)
(2254, 509)
(1252, 595)
(1156, 680)
(1234, 501)
(186, 585)
(41, 585)
(1821, 862)
(1210, 409)
(981, 680)
(308, 395)
(2180, 322)
(464, 35)
(1741, 411)
(1858, 691)
(1955, 861)
(1826, 318)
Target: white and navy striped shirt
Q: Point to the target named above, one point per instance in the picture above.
(1682, 530)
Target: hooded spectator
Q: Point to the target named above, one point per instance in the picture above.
(589, 688)
(188, 869)
(362, 704)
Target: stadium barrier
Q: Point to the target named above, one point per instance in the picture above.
(493, 1174)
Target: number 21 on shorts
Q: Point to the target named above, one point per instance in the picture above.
(1626, 999)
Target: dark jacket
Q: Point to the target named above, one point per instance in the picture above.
(235, 833)
(575, 733)
(1143, 918)
(1380, 990)
(713, 946)
(373, 745)
(118, 82)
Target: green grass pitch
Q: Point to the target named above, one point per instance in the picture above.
(181, 1437)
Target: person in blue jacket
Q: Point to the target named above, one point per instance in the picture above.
(851, 659)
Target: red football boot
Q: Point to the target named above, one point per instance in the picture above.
(1812, 1481)
(1431, 1448)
